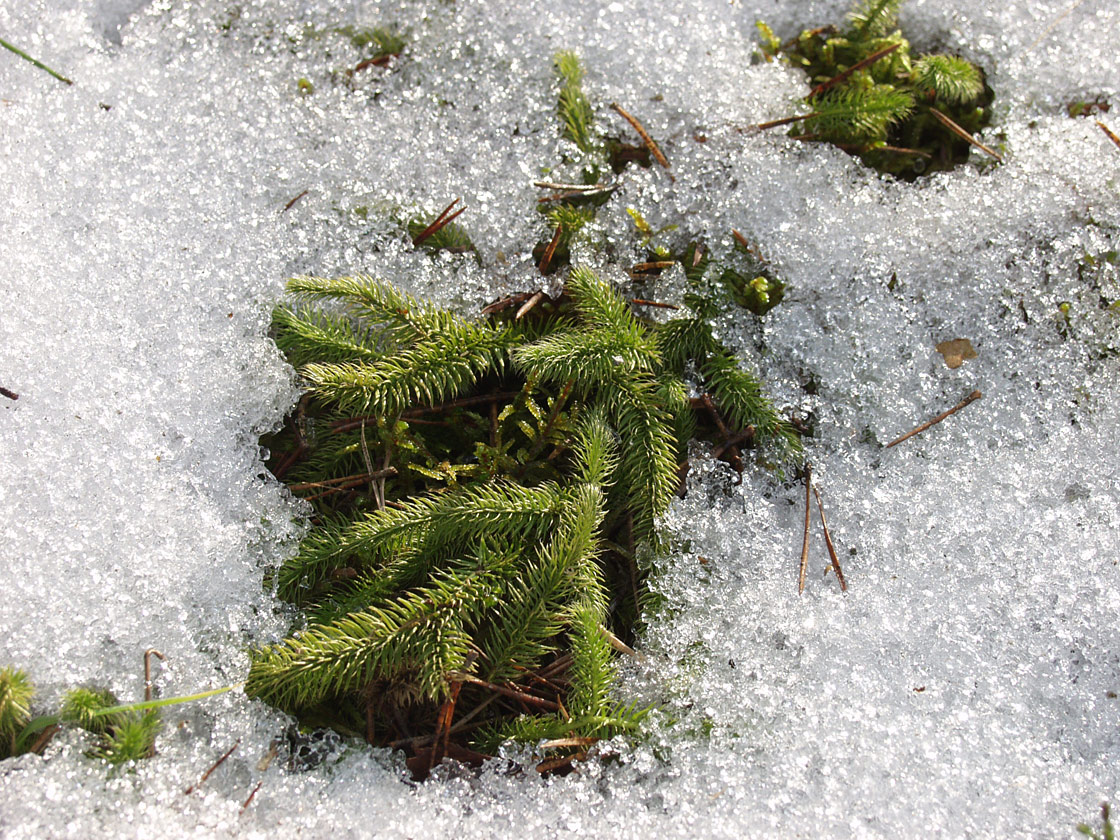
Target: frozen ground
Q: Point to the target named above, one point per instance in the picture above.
(964, 687)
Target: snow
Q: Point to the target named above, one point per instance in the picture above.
(964, 686)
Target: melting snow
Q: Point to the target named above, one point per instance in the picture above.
(965, 685)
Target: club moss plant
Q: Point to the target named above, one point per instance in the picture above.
(482, 487)
(901, 114)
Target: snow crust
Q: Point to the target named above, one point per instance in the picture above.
(966, 684)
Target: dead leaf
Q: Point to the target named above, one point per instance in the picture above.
(956, 351)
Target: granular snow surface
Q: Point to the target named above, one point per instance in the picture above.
(966, 684)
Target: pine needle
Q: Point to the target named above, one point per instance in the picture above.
(964, 135)
(651, 144)
(859, 65)
(1108, 132)
(34, 61)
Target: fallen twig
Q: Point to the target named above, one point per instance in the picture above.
(964, 135)
(650, 143)
(213, 767)
(12, 395)
(828, 543)
(971, 398)
(805, 541)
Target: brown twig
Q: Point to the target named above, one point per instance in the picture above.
(343, 481)
(288, 206)
(971, 398)
(859, 65)
(442, 220)
(12, 395)
(1104, 128)
(732, 448)
(733, 442)
(650, 143)
(245, 804)
(964, 135)
(556, 666)
(509, 691)
(550, 250)
(148, 654)
(828, 543)
(358, 482)
(656, 303)
(443, 726)
(805, 540)
(213, 767)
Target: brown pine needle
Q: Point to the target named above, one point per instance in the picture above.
(900, 150)
(442, 220)
(650, 143)
(1109, 133)
(289, 205)
(805, 541)
(750, 249)
(148, 654)
(964, 135)
(247, 802)
(549, 251)
(508, 691)
(358, 478)
(556, 763)
(971, 398)
(859, 65)
(657, 265)
(828, 543)
(528, 305)
(1053, 25)
(213, 767)
(781, 122)
(657, 303)
(574, 741)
